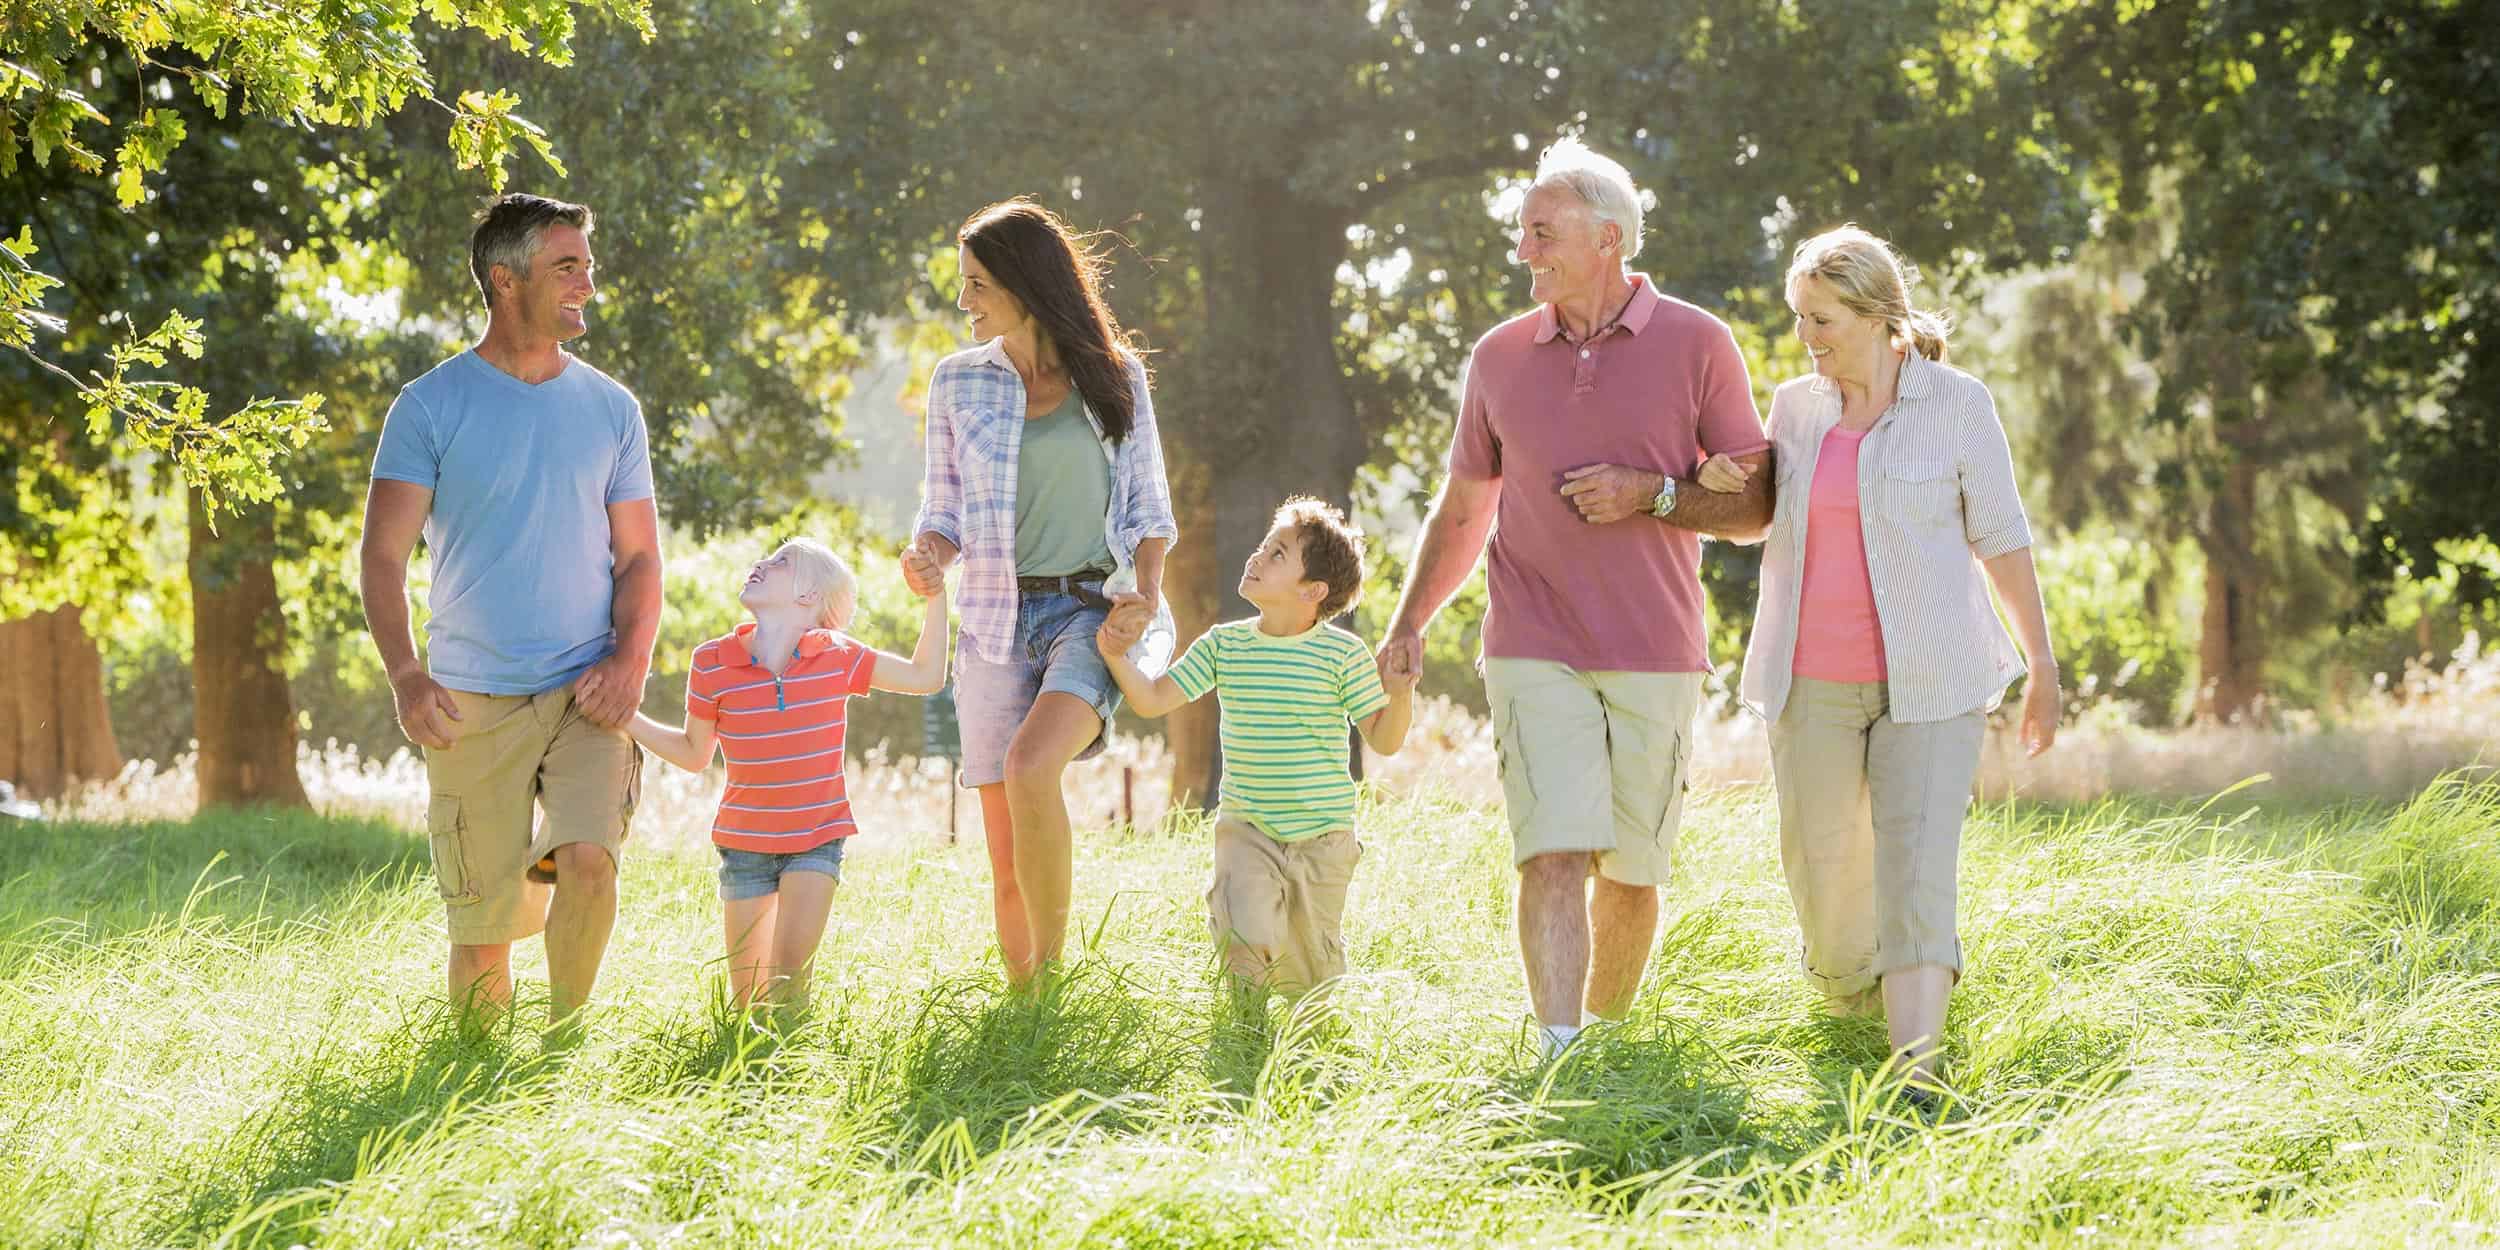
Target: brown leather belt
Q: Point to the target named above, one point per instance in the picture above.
(1086, 587)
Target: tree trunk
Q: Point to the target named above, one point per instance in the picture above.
(1267, 414)
(1192, 583)
(243, 716)
(2231, 651)
(54, 728)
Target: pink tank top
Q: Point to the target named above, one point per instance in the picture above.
(1838, 637)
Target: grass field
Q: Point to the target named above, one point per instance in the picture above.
(2220, 1026)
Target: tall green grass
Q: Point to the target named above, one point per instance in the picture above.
(2181, 1026)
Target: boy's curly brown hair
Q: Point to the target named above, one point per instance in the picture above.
(1332, 550)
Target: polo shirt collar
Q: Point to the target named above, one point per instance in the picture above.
(738, 647)
(1636, 314)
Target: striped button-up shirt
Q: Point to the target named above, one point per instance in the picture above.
(1936, 496)
(976, 427)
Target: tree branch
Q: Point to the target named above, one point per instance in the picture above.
(1456, 165)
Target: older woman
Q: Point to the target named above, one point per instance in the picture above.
(1876, 653)
(1046, 481)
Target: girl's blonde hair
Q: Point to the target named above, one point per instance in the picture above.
(818, 570)
(1870, 279)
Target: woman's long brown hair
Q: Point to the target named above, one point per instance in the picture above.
(1049, 270)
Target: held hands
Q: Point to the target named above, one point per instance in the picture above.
(425, 709)
(1400, 684)
(1610, 492)
(1126, 623)
(922, 572)
(1722, 475)
(2040, 709)
(610, 691)
(1401, 658)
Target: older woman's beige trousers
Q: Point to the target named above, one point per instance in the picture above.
(1871, 830)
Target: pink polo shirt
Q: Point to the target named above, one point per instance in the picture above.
(1662, 390)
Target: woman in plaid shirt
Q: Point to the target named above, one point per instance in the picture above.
(1045, 481)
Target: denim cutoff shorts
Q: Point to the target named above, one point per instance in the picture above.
(1053, 651)
(754, 874)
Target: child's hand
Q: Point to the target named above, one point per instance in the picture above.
(1401, 682)
(1121, 629)
(922, 573)
(1722, 475)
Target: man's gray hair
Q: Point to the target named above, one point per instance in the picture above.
(509, 231)
(1601, 182)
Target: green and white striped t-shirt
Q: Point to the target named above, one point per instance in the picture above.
(1286, 704)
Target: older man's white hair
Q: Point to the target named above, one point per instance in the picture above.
(1601, 182)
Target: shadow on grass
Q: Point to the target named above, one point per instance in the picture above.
(1655, 1100)
(1241, 1035)
(1634, 1098)
(1190, 1218)
(1282, 1051)
(240, 863)
(730, 1046)
(973, 1065)
(338, 1114)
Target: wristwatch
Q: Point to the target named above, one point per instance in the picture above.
(1665, 501)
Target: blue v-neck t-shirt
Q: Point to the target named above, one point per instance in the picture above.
(522, 476)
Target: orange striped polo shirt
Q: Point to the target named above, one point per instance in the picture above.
(782, 737)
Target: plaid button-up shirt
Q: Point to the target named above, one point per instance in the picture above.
(968, 496)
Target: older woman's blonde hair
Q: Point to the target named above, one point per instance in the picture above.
(1870, 279)
(816, 569)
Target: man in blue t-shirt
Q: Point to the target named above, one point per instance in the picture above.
(529, 475)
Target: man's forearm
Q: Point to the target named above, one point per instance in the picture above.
(636, 614)
(384, 586)
(1737, 514)
(1443, 559)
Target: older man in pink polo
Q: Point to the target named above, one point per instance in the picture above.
(1582, 425)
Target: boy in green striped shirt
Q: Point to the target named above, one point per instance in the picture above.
(1284, 832)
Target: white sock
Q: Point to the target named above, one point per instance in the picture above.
(1558, 1037)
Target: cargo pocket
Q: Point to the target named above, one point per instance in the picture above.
(1671, 812)
(1510, 761)
(633, 793)
(1341, 850)
(451, 858)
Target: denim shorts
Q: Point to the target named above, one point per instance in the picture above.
(1053, 651)
(754, 874)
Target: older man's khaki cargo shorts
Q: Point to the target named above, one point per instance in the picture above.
(1593, 762)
